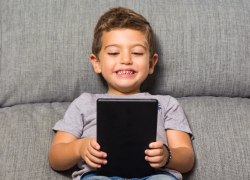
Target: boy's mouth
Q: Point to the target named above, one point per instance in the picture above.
(125, 72)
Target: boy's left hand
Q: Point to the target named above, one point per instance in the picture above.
(158, 154)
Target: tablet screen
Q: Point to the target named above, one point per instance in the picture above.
(125, 128)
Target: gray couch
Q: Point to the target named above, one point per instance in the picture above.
(204, 61)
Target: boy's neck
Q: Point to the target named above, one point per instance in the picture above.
(113, 91)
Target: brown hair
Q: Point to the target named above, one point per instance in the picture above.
(120, 17)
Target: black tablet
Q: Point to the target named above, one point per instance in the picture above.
(125, 128)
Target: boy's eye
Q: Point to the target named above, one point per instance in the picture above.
(113, 54)
(138, 54)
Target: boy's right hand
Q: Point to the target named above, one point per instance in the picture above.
(90, 152)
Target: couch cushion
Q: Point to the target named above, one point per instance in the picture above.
(220, 127)
(26, 134)
(221, 130)
(203, 48)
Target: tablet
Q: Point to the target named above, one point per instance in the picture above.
(125, 128)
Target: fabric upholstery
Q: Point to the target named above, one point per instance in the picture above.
(204, 53)
(220, 127)
(221, 131)
(26, 135)
(203, 48)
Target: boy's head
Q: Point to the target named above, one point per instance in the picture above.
(119, 18)
(123, 50)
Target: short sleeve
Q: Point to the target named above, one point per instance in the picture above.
(72, 121)
(175, 117)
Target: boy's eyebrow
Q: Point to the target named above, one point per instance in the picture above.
(118, 45)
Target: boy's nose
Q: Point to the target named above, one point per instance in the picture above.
(126, 59)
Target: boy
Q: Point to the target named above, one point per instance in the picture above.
(124, 52)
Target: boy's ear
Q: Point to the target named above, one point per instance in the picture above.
(152, 63)
(96, 63)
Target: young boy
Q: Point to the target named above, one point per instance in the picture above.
(124, 53)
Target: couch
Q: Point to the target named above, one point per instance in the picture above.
(204, 62)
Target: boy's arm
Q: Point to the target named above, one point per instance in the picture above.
(66, 151)
(181, 149)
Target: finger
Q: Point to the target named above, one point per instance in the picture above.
(157, 144)
(95, 147)
(94, 144)
(155, 159)
(156, 165)
(96, 153)
(91, 163)
(154, 152)
(96, 160)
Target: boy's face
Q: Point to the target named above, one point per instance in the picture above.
(124, 60)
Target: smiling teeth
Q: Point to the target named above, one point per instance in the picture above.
(125, 72)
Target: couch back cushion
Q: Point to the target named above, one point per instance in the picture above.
(203, 47)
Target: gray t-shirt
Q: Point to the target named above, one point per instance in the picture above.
(80, 120)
